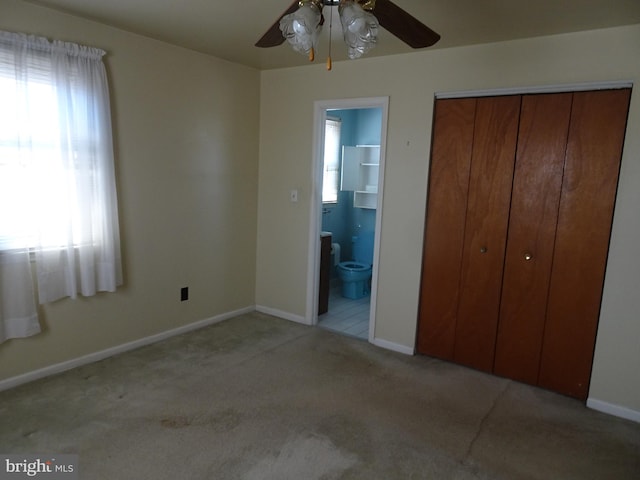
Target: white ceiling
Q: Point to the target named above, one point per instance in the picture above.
(229, 28)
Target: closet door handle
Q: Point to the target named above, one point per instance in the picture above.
(483, 249)
(528, 256)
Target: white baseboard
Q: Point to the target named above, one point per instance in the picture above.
(281, 314)
(396, 347)
(110, 352)
(615, 410)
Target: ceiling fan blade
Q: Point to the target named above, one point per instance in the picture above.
(274, 36)
(403, 25)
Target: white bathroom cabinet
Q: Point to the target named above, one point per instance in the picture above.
(360, 171)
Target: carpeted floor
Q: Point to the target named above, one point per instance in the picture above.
(257, 397)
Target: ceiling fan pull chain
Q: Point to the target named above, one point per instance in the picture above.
(330, 31)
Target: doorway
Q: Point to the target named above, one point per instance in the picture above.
(345, 211)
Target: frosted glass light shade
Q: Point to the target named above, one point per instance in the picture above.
(302, 27)
(359, 27)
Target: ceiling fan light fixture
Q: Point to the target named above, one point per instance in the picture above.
(359, 27)
(302, 27)
(301, 23)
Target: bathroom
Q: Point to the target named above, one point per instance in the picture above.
(349, 213)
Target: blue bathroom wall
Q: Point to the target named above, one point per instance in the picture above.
(368, 126)
(359, 127)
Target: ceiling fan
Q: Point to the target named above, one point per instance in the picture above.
(300, 25)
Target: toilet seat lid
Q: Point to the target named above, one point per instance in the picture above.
(354, 265)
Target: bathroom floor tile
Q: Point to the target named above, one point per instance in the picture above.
(346, 316)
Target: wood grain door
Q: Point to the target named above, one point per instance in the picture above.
(594, 150)
(444, 232)
(519, 215)
(542, 141)
(489, 197)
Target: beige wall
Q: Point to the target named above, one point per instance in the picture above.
(410, 81)
(186, 142)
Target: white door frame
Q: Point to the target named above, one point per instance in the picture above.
(315, 224)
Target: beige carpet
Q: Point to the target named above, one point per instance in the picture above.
(256, 397)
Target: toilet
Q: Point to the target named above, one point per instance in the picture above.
(355, 275)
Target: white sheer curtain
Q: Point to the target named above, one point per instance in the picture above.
(57, 182)
(18, 316)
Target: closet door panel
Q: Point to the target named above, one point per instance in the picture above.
(492, 164)
(589, 186)
(542, 139)
(444, 231)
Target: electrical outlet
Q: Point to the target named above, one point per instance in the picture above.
(184, 294)
(293, 195)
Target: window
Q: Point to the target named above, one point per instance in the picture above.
(331, 172)
(32, 174)
(57, 182)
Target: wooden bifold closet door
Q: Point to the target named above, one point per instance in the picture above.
(521, 195)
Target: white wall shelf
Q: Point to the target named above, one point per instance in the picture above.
(360, 171)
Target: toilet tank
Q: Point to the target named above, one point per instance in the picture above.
(363, 247)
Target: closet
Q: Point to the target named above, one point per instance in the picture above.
(519, 213)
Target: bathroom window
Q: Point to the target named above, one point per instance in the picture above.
(331, 171)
